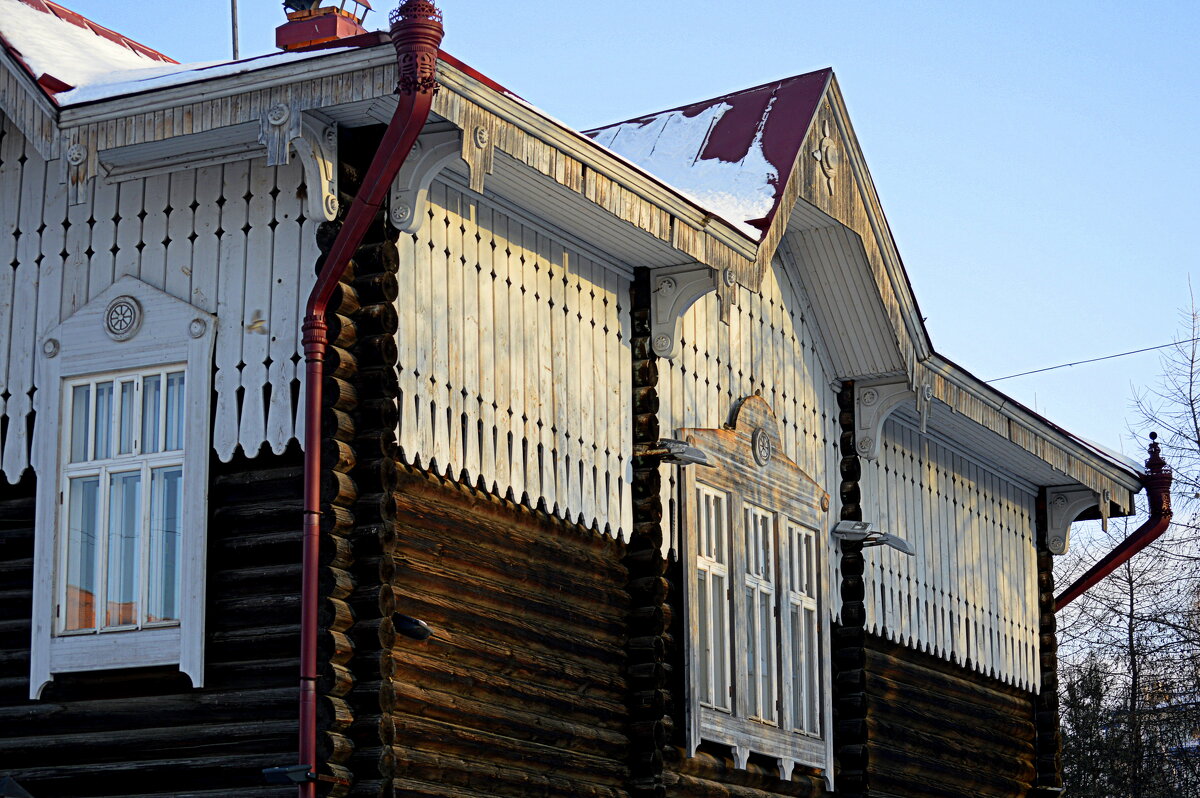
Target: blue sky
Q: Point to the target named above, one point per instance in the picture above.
(1038, 162)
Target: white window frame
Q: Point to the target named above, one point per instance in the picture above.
(790, 572)
(173, 334)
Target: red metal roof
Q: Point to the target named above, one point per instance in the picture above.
(772, 118)
(67, 15)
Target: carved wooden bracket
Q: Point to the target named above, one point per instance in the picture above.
(675, 289)
(872, 406)
(432, 153)
(79, 162)
(1063, 506)
(479, 151)
(874, 402)
(284, 128)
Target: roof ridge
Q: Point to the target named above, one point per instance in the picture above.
(712, 100)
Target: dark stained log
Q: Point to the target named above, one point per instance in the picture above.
(377, 290)
(938, 729)
(339, 395)
(338, 488)
(336, 424)
(339, 363)
(341, 332)
(345, 297)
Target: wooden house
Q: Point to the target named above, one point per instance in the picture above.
(619, 416)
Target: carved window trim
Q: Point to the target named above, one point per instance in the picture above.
(774, 488)
(172, 334)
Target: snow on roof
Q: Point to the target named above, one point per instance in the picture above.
(54, 41)
(133, 81)
(732, 154)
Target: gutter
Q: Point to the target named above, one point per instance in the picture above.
(416, 32)
(1158, 492)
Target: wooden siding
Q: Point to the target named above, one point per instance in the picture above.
(146, 733)
(938, 732)
(520, 690)
(229, 239)
(970, 593)
(514, 361)
(767, 348)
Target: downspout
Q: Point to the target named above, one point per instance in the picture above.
(416, 31)
(1158, 493)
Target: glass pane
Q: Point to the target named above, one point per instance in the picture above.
(705, 642)
(752, 640)
(125, 427)
(174, 411)
(766, 664)
(80, 404)
(151, 413)
(809, 566)
(83, 524)
(720, 635)
(104, 419)
(812, 670)
(166, 511)
(800, 666)
(124, 532)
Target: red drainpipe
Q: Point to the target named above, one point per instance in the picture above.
(1158, 493)
(416, 33)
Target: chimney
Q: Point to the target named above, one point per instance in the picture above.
(316, 22)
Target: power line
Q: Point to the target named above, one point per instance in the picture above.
(1093, 360)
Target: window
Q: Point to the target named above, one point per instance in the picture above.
(122, 487)
(757, 642)
(122, 468)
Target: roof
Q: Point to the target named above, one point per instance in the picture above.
(733, 153)
(62, 49)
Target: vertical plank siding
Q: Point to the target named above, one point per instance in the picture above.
(969, 594)
(766, 348)
(514, 362)
(147, 733)
(229, 239)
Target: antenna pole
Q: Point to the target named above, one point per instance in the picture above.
(233, 8)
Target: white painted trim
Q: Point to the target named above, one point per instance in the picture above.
(432, 152)
(172, 331)
(676, 288)
(873, 403)
(1063, 506)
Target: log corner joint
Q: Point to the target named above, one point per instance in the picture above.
(875, 401)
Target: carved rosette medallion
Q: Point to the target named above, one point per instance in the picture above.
(864, 444)
(869, 397)
(762, 447)
(827, 155)
(279, 114)
(76, 154)
(123, 318)
(197, 327)
(51, 347)
(481, 137)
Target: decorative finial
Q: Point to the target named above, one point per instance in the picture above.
(416, 34)
(1154, 463)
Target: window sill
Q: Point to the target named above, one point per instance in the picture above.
(747, 737)
(108, 650)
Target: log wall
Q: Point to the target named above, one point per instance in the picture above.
(937, 731)
(147, 733)
(228, 239)
(520, 692)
